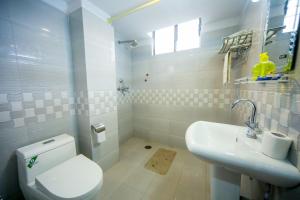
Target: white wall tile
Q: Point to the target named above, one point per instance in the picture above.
(274, 125)
(269, 111)
(3, 98)
(35, 56)
(27, 97)
(48, 96)
(295, 107)
(16, 106)
(49, 109)
(277, 100)
(39, 103)
(57, 102)
(58, 115)
(284, 117)
(41, 118)
(65, 107)
(5, 116)
(19, 122)
(29, 112)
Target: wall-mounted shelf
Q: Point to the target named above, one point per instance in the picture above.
(248, 80)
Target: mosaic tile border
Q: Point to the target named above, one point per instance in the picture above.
(21, 109)
(184, 97)
(125, 99)
(274, 109)
(101, 102)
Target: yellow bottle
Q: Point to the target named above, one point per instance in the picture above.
(264, 67)
(288, 66)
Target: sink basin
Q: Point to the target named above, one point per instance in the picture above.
(227, 146)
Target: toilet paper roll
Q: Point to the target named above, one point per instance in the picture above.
(276, 145)
(100, 137)
(99, 132)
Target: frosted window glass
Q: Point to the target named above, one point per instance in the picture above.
(188, 35)
(164, 40)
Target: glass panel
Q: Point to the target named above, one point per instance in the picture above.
(164, 40)
(289, 23)
(279, 42)
(291, 17)
(291, 11)
(293, 3)
(188, 35)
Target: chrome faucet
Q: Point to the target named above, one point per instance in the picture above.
(252, 125)
(122, 87)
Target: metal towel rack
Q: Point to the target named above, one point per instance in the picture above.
(237, 42)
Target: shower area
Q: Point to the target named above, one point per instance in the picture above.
(124, 87)
(160, 96)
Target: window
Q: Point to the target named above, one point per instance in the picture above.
(291, 18)
(176, 38)
(188, 35)
(164, 40)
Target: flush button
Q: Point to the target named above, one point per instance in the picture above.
(48, 141)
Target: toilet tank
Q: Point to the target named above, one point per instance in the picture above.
(37, 158)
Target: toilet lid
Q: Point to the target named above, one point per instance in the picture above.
(75, 178)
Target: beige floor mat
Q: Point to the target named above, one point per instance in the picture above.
(161, 161)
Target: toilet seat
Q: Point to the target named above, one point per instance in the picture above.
(76, 178)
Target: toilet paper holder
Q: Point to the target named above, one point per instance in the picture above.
(98, 127)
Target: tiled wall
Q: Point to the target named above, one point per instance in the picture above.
(124, 72)
(276, 111)
(36, 81)
(163, 116)
(80, 81)
(208, 98)
(95, 85)
(181, 88)
(278, 105)
(51, 85)
(23, 109)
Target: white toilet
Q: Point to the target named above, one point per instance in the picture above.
(51, 170)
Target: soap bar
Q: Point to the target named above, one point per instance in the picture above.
(276, 145)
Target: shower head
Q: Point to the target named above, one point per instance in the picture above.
(131, 43)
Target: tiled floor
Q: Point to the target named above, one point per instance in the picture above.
(187, 179)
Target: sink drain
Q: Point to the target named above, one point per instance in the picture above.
(148, 147)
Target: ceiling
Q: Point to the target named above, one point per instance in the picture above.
(167, 12)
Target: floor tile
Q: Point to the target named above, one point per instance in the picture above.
(140, 179)
(187, 178)
(125, 192)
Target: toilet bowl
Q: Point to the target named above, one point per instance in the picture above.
(51, 170)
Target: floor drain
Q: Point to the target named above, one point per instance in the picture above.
(148, 147)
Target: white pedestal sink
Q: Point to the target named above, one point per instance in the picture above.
(232, 154)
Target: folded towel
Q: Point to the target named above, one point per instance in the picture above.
(227, 68)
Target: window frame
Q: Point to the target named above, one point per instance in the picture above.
(199, 31)
(153, 36)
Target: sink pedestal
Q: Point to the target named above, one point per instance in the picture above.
(225, 184)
